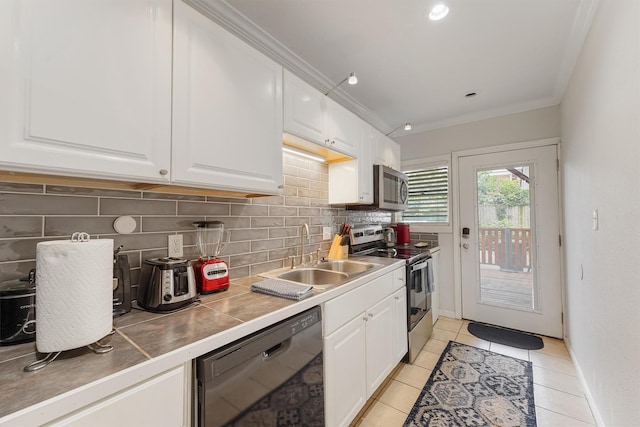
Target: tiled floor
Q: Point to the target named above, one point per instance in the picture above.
(558, 393)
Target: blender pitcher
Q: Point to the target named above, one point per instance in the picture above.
(212, 273)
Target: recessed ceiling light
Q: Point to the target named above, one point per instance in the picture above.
(438, 12)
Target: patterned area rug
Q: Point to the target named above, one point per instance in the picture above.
(474, 387)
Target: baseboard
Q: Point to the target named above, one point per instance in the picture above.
(447, 313)
(587, 393)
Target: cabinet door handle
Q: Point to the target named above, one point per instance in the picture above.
(397, 298)
(370, 315)
(163, 172)
(327, 141)
(365, 318)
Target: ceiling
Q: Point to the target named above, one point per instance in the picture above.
(516, 55)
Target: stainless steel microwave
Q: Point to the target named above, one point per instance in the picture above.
(390, 191)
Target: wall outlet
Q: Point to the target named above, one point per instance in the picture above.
(175, 246)
(326, 233)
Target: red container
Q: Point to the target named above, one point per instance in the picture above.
(402, 233)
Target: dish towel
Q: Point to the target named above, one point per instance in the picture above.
(431, 284)
(283, 289)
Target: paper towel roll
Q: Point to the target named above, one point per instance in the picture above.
(74, 293)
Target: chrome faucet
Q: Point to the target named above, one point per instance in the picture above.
(305, 227)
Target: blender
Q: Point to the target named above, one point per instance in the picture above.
(212, 273)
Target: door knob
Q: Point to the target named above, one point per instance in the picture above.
(465, 245)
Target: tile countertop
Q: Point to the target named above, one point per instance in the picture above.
(147, 344)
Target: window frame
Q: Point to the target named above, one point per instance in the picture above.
(427, 163)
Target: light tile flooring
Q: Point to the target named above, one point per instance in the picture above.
(558, 394)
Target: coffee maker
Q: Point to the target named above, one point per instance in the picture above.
(212, 273)
(121, 283)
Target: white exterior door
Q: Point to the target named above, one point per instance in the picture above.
(510, 229)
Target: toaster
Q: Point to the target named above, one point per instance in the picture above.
(166, 284)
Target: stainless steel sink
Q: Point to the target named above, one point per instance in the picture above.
(349, 267)
(325, 274)
(314, 276)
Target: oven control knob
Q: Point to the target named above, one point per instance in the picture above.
(167, 297)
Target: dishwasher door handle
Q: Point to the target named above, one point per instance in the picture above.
(271, 352)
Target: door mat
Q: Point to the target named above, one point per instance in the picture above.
(474, 387)
(505, 336)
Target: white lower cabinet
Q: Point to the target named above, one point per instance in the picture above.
(164, 400)
(365, 337)
(380, 337)
(400, 323)
(435, 296)
(345, 373)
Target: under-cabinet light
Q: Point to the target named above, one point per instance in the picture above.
(303, 154)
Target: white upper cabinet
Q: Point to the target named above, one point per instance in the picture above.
(310, 115)
(304, 109)
(342, 128)
(351, 182)
(86, 88)
(227, 109)
(387, 151)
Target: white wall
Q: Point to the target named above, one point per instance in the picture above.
(601, 161)
(528, 126)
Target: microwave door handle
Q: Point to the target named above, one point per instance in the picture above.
(419, 266)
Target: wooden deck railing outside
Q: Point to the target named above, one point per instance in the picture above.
(509, 248)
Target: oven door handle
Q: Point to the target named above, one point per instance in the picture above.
(420, 266)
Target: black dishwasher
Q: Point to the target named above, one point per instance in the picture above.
(273, 377)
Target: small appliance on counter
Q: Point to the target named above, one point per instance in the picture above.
(403, 233)
(389, 237)
(121, 284)
(166, 284)
(212, 273)
(18, 310)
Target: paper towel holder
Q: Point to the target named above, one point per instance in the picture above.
(96, 347)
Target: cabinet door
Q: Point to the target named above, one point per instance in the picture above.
(365, 164)
(227, 109)
(435, 297)
(400, 324)
(86, 88)
(160, 401)
(387, 151)
(380, 338)
(304, 110)
(345, 374)
(342, 129)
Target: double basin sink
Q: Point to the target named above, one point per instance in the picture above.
(323, 274)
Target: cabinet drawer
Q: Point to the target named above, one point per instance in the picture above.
(340, 310)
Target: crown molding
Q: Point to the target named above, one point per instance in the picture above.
(235, 22)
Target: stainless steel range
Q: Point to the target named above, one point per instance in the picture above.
(368, 239)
